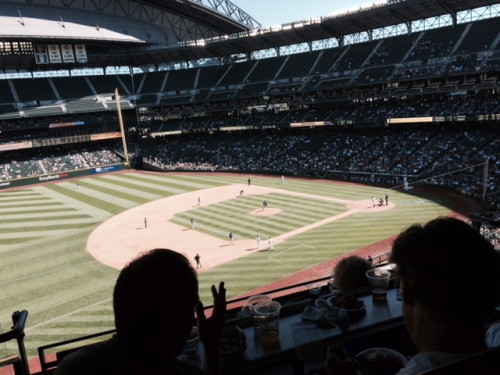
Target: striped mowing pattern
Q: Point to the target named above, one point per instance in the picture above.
(233, 215)
(43, 232)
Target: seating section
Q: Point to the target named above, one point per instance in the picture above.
(210, 76)
(25, 92)
(180, 80)
(106, 85)
(5, 92)
(12, 170)
(373, 75)
(355, 56)
(221, 95)
(149, 83)
(298, 65)
(253, 89)
(62, 161)
(326, 60)
(43, 111)
(437, 43)
(8, 111)
(237, 73)
(353, 85)
(414, 58)
(484, 31)
(84, 105)
(72, 87)
(266, 69)
(174, 99)
(147, 99)
(391, 51)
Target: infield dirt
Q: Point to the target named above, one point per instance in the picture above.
(122, 237)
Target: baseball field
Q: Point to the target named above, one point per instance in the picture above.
(62, 244)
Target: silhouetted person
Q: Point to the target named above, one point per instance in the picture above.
(349, 275)
(154, 301)
(448, 276)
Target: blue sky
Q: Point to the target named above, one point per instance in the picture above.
(278, 12)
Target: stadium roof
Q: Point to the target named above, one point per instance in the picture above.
(120, 21)
(234, 17)
(364, 20)
(226, 42)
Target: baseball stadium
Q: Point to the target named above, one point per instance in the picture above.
(264, 155)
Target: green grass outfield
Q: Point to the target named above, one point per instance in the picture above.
(46, 270)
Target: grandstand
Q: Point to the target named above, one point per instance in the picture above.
(400, 94)
(368, 78)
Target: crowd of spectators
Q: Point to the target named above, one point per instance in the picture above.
(448, 157)
(428, 49)
(57, 161)
(83, 159)
(492, 234)
(15, 169)
(358, 107)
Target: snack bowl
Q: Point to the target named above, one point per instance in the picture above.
(234, 341)
(381, 360)
(354, 307)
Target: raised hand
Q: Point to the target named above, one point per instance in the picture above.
(210, 329)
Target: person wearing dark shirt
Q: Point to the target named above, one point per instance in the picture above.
(449, 280)
(154, 302)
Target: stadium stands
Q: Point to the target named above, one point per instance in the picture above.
(379, 64)
(25, 92)
(72, 87)
(428, 154)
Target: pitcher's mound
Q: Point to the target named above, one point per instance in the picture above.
(270, 211)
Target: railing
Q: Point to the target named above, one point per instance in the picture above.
(48, 365)
(292, 298)
(20, 363)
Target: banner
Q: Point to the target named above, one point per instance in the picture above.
(41, 55)
(54, 54)
(80, 53)
(16, 145)
(109, 168)
(67, 53)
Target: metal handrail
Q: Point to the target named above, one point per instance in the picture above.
(17, 333)
(48, 365)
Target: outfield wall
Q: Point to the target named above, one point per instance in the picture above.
(62, 176)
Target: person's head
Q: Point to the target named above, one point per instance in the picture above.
(449, 270)
(154, 301)
(350, 273)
